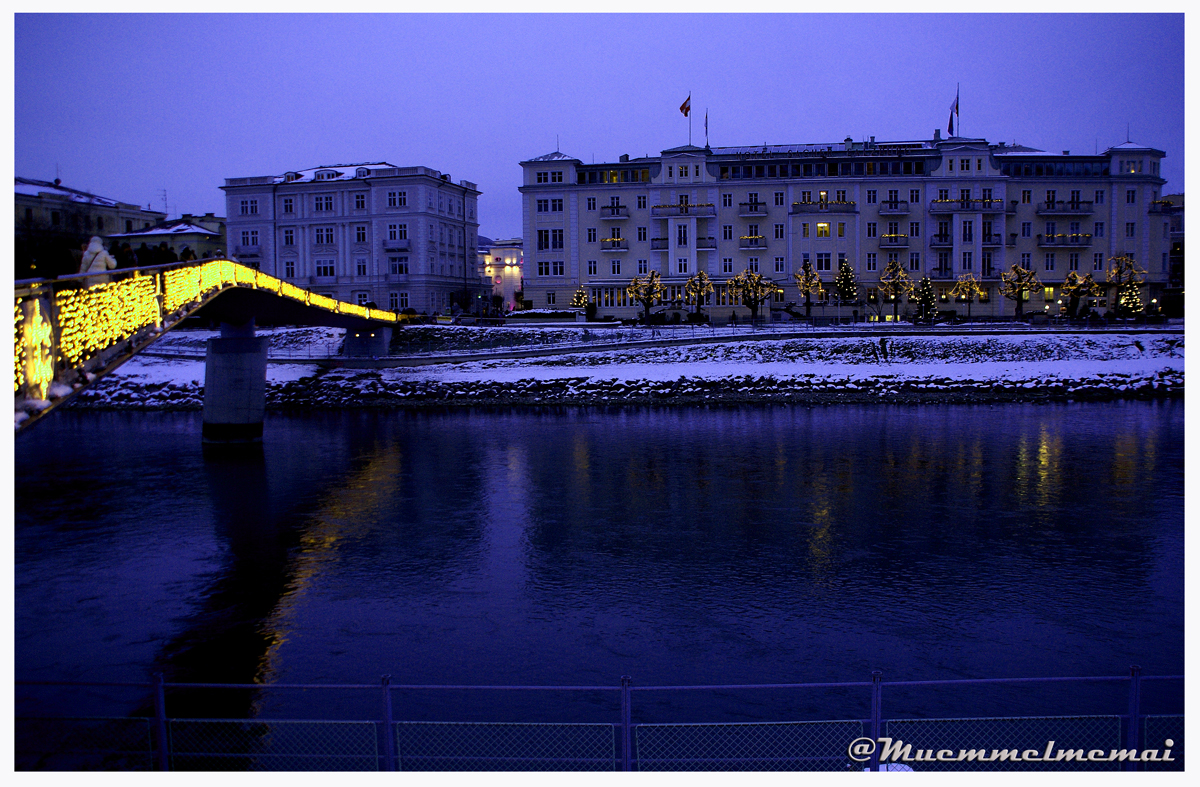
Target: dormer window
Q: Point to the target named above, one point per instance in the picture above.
(362, 172)
(327, 174)
(290, 176)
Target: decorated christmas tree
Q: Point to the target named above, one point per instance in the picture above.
(579, 300)
(1126, 277)
(646, 291)
(1075, 288)
(753, 289)
(696, 287)
(809, 284)
(845, 284)
(895, 284)
(967, 289)
(925, 298)
(1018, 284)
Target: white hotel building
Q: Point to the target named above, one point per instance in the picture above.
(940, 207)
(399, 237)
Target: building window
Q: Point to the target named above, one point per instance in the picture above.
(726, 200)
(289, 269)
(543, 240)
(325, 267)
(1049, 260)
(1073, 261)
(249, 207)
(1098, 261)
(779, 198)
(914, 260)
(943, 195)
(1026, 260)
(323, 235)
(682, 264)
(1098, 229)
(360, 234)
(806, 196)
(841, 229)
(591, 203)
(779, 264)
(360, 266)
(543, 206)
(914, 229)
(556, 176)
(323, 203)
(1027, 197)
(360, 201)
(1131, 197)
(752, 264)
(551, 299)
(968, 231)
(249, 237)
(398, 199)
(641, 233)
(591, 267)
(914, 195)
(823, 229)
(681, 235)
(591, 235)
(840, 195)
(1130, 229)
(29, 217)
(1026, 229)
(543, 177)
(394, 301)
(557, 267)
(556, 206)
(1099, 198)
(289, 237)
(556, 239)
(641, 201)
(872, 232)
(966, 260)
(778, 232)
(824, 261)
(727, 265)
(398, 266)
(289, 205)
(543, 268)
(616, 267)
(872, 261)
(727, 232)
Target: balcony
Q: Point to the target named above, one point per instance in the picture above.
(823, 207)
(614, 244)
(1061, 208)
(247, 251)
(989, 272)
(995, 239)
(941, 273)
(1075, 240)
(1011, 207)
(1012, 240)
(752, 243)
(614, 212)
(669, 211)
(894, 208)
(968, 206)
(941, 240)
(893, 241)
(706, 244)
(660, 244)
(750, 209)
(396, 245)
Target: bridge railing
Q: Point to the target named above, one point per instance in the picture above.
(66, 329)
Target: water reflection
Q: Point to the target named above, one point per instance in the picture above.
(572, 546)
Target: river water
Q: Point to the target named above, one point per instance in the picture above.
(573, 546)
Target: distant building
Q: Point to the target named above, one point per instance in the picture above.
(204, 235)
(399, 237)
(1172, 208)
(940, 208)
(52, 220)
(501, 262)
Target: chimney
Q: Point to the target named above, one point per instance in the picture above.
(937, 135)
(1066, 152)
(624, 158)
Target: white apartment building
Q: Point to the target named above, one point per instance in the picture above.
(398, 237)
(502, 263)
(940, 207)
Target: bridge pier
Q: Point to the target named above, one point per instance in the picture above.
(368, 341)
(235, 385)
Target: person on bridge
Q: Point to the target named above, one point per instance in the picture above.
(96, 260)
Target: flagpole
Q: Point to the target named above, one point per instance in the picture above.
(957, 116)
(689, 119)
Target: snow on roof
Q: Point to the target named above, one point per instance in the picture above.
(34, 187)
(173, 229)
(347, 171)
(555, 156)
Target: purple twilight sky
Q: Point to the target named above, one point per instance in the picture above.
(128, 106)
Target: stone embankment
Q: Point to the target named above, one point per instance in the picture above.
(344, 388)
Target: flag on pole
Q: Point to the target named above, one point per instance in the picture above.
(686, 106)
(953, 112)
(706, 125)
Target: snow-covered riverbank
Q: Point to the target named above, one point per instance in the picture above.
(849, 369)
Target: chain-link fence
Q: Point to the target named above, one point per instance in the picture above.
(239, 745)
(993, 744)
(83, 744)
(779, 746)
(1158, 731)
(497, 746)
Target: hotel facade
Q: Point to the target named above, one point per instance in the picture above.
(398, 237)
(940, 208)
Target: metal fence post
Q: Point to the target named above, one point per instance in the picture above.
(876, 713)
(1135, 710)
(389, 733)
(161, 757)
(626, 715)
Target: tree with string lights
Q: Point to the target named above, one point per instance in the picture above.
(753, 289)
(580, 299)
(809, 284)
(845, 284)
(1017, 285)
(895, 283)
(646, 291)
(1126, 277)
(925, 298)
(1076, 288)
(697, 286)
(967, 289)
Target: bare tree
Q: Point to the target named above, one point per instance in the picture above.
(753, 289)
(646, 291)
(1017, 285)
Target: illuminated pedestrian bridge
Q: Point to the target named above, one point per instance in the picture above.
(71, 330)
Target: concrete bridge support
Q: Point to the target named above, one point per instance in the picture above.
(367, 342)
(235, 385)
